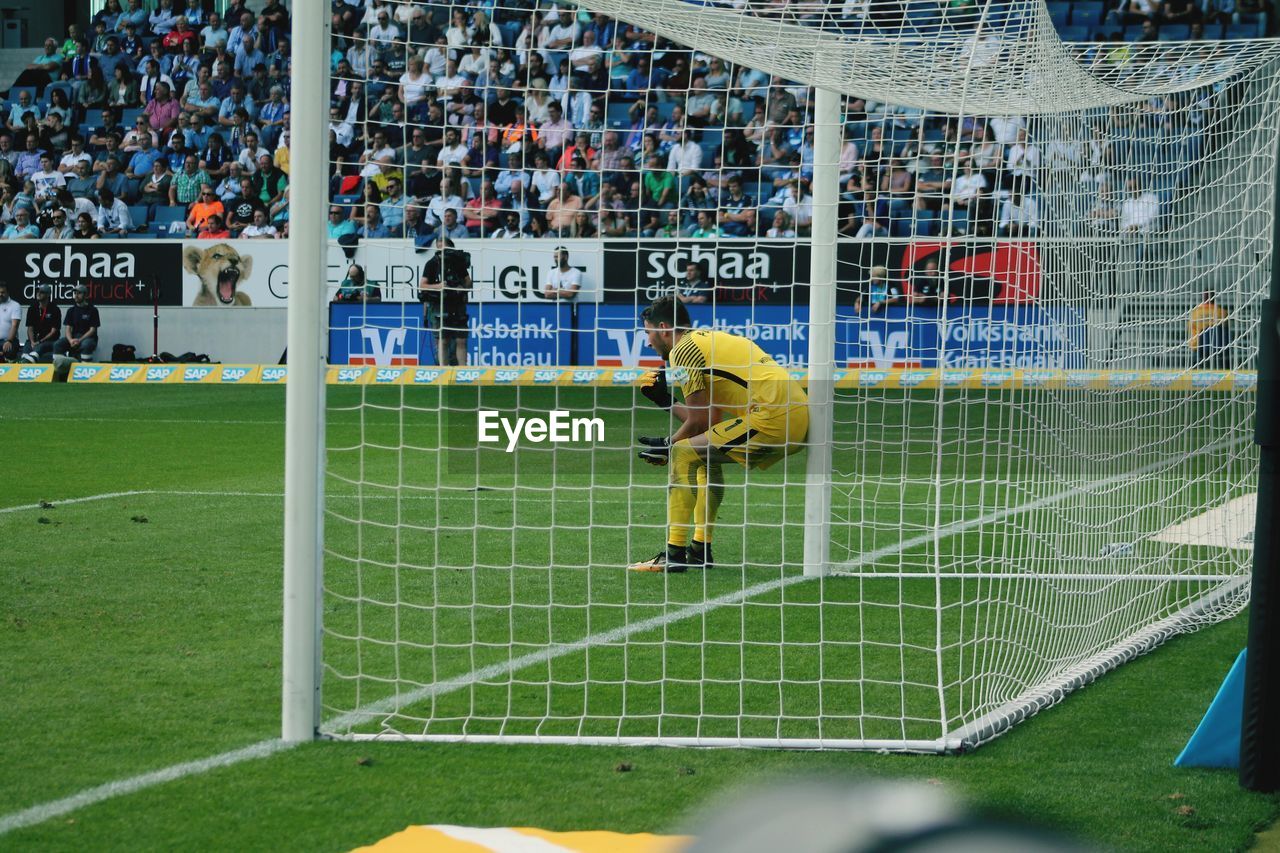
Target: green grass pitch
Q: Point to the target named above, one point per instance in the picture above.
(132, 645)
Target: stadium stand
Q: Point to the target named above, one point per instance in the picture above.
(637, 134)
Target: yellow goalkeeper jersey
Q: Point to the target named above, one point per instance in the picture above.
(739, 377)
(1204, 317)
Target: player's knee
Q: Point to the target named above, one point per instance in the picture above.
(685, 462)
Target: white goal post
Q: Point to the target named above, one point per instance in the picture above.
(304, 399)
(1018, 474)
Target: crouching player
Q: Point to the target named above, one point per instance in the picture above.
(739, 405)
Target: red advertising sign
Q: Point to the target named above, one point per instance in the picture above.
(1006, 272)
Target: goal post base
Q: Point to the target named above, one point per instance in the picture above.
(882, 745)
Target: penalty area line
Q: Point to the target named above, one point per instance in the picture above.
(390, 705)
(105, 496)
(450, 495)
(91, 796)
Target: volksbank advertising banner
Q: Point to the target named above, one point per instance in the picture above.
(502, 334)
(543, 334)
(994, 336)
(617, 338)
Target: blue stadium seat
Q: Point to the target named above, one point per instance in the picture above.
(1060, 14)
(858, 131)
(510, 32)
(128, 117)
(618, 112)
(1175, 32)
(1242, 31)
(925, 224)
(665, 108)
(1087, 13)
(138, 213)
(168, 215)
(1076, 33)
(17, 90)
(929, 29)
(898, 137)
(352, 198)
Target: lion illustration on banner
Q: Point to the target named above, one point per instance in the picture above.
(220, 269)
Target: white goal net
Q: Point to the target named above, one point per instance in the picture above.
(1019, 278)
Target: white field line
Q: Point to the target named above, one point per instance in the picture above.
(102, 497)
(91, 796)
(459, 494)
(378, 493)
(55, 808)
(196, 421)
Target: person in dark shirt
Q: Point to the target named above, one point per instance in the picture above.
(241, 208)
(928, 285)
(44, 319)
(443, 289)
(107, 124)
(505, 110)
(79, 328)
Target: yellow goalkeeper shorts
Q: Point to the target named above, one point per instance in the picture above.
(760, 440)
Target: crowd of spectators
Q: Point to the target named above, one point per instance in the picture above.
(163, 119)
(514, 119)
(533, 120)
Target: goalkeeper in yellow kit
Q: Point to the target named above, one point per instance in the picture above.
(739, 405)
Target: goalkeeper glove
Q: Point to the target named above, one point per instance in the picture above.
(657, 450)
(654, 386)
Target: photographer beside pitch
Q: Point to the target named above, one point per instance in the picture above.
(739, 405)
(80, 327)
(445, 283)
(44, 322)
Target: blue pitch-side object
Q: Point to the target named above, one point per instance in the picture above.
(1216, 742)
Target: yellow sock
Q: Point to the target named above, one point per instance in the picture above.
(710, 494)
(682, 492)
